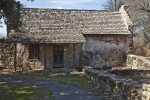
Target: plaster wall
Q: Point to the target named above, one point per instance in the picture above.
(106, 50)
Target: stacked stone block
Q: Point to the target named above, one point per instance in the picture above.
(138, 62)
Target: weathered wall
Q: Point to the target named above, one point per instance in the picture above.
(138, 62)
(72, 55)
(49, 56)
(106, 50)
(68, 55)
(78, 50)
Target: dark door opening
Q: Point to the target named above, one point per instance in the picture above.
(58, 56)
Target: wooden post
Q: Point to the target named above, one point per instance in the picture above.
(15, 53)
(45, 57)
(114, 5)
(81, 51)
(73, 55)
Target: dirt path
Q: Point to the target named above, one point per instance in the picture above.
(59, 90)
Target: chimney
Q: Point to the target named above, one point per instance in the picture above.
(125, 15)
(114, 5)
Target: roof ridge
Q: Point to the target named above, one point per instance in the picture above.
(73, 9)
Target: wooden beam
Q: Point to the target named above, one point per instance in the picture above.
(15, 54)
(114, 5)
(81, 51)
(44, 56)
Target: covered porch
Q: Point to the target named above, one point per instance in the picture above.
(47, 56)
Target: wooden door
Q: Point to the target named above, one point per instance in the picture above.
(58, 56)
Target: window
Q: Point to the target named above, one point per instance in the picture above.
(34, 51)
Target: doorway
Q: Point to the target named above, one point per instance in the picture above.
(58, 56)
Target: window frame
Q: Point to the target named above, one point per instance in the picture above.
(34, 51)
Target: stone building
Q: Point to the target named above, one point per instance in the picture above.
(58, 38)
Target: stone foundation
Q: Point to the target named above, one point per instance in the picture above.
(121, 88)
(138, 62)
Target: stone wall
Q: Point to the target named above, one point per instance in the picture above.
(23, 61)
(130, 72)
(106, 50)
(138, 62)
(121, 88)
(6, 56)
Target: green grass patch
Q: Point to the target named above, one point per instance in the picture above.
(76, 78)
(10, 91)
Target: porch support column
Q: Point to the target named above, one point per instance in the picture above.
(44, 56)
(15, 54)
(73, 55)
(80, 61)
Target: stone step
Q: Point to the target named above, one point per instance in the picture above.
(131, 45)
(131, 49)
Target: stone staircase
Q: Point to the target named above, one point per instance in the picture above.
(130, 51)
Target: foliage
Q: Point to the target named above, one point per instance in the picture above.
(21, 92)
(10, 11)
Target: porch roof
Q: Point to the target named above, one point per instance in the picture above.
(46, 37)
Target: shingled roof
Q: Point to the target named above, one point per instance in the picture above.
(66, 26)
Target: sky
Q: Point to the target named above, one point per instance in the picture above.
(65, 4)
(3, 29)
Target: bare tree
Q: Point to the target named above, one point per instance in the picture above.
(110, 4)
(139, 12)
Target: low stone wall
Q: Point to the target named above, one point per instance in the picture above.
(121, 88)
(130, 72)
(146, 92)
(138, 62)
